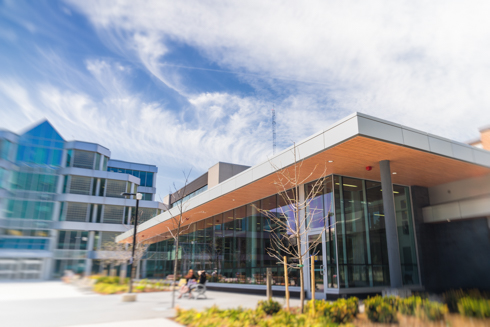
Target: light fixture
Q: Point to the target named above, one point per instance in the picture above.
(394, 173)
(330, 161)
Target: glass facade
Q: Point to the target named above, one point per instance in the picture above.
(346, 214)
(189, 196)
(31, 185)
(146, 177)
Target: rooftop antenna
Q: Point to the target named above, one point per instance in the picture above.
(273, 129)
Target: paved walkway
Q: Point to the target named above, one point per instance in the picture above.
(53, 304)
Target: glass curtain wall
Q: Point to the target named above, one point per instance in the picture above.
(233, 246)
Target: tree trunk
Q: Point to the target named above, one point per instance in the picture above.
(302, 288)
(301, 278)
(175, 267)
(122, 274)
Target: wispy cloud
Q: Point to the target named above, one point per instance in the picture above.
(417, 63)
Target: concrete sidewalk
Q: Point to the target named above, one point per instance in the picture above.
(63, 305)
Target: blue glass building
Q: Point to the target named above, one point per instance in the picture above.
(60, 202)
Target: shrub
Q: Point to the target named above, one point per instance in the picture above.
(103, 288)
(381, 309)
(432, 310)
(110, 280)
(474, 307)
(409, 305)
(270, 307)
(343, 311)
(451, 298)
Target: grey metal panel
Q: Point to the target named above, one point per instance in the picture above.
(5, 164)
(416, 139)
(70, 225)
(283, 159)
(228, 185)
(462, 152)
(7, 253)
(482, 157)
(215, 192)
(443, 212)
(261, 170)
(146, 189)
(132, 165)
(377, 129)
(310, 146)
(475, 207)
(427, 213)
(340, 132)
(86, 146)
(460, 190)
(3, 193)
(12, 137)
(440, 146)
(99, 174)
(244, 178)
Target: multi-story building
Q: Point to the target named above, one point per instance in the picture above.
(398, 208)
(60, 202)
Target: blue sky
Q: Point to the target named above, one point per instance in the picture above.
(184, 84)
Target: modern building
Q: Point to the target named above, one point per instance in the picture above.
(398, 208)
(60, 202)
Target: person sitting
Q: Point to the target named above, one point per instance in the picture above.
(201, 281)
(190, 279)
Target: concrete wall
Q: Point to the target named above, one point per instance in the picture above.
(222, 171)
(459, 190)
(464, 199)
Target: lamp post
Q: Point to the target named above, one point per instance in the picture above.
(138, 196)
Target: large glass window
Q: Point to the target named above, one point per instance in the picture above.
(377, 234)
(233, 247)
(38, 210)
(406, 237)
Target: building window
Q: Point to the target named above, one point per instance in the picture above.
(83, 159)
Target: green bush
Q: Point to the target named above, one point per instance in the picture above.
(452, 297)
(110, 280)
(381, 309)
(343, 311)
(474, 307)
(432, 310)
(410, 305)
(103, 288)
(270, 307)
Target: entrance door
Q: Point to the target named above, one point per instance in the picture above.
(320, 272)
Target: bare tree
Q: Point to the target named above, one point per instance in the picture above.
(291, 222)
(179, 224)
(118, 254)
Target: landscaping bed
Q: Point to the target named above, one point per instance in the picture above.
(378, 311)
(114, 285)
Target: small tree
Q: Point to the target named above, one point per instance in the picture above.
(117, 254)
(289, 226)
(179, 225)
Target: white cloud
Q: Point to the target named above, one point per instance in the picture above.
(417, 63)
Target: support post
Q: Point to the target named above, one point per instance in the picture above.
(390, 225)
(286, 282)
(313, 283)
(269, 283)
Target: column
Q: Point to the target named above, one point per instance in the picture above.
(390, 225)
(90, 248)
(304, 241)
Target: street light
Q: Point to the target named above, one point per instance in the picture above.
(139, 196)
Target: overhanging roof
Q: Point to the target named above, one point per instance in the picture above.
(352, 144)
